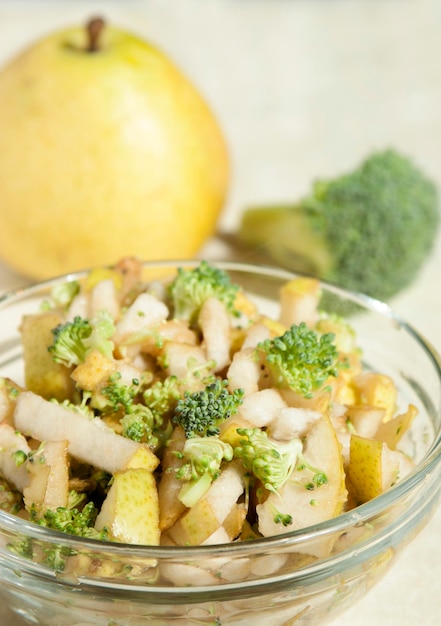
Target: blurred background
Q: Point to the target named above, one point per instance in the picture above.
(302, 89)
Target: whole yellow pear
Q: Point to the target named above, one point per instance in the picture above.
(106, 150)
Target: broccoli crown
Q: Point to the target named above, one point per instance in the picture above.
(74, 340)
(368, 230)
(120, 396)
(63, 293)
(301, 359)
(161, 397)
(191, 288)
(203, 455)
(68, 347)
(138, 424)
(102, 329)
(201, 413)
(272, 463)
(379, 223)
(72, 521)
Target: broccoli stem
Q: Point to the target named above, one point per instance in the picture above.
(286, 234)
(94, 28)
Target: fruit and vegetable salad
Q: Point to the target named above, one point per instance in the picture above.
(173, 412)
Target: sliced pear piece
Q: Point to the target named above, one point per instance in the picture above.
(365, 419)
(372, 468)
(170, 507)
(9, 391)
(90, 440)
(130, 511)
(378, 390)
(48, 486)
(315, 491)
(42, 375)
(14, 450)
(392, 431)
(299, 299)
(210, 511)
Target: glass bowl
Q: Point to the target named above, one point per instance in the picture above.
(266, 581)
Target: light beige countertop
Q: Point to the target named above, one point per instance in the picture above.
(303, 89)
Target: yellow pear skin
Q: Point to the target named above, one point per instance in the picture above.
(131, 511)
(104, 154)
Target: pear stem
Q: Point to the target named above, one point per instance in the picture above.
(94, 28)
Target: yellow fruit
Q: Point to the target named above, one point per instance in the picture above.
(131, 510)
(104, 154)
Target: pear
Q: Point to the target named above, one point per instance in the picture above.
(43, 375)
(131, 511)
(374, 467)
(106, 150)
(309, 498)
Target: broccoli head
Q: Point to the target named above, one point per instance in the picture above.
(301, 359)
(201, 413)
(369, 230)
(191, 288)
(203, 455)
(74, 340)
(270, 461)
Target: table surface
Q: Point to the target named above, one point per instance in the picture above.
(303, 89)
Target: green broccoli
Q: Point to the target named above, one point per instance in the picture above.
(120, 396)
(11, 500)
(69, 520)
(142, 421)
(301, 359)
(203, 457)
(271, 462)
(72, 521)
(162, 397)
(369, 230)
(191, 288)
(74, 340)
(201, 413)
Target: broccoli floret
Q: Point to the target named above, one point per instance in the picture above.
(11, 500)
(301, 359)
(120, 396)
(191, 288)
(201, 413)
(162, 397)
(369, 230)
(68, 347)
(271, 462)
(74, 340)
(142, 422)
(72, 521)
(103, 329)
(203, 455)
(139, 424)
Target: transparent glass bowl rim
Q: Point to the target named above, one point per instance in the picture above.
(431, 461)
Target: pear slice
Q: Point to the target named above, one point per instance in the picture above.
(170, 507)
(210, 512)
(299, 300)
(12, 444)
(42, 375)
(90, 440)
(49, 477)
(372, 468)
(377, 390)
(365, 419)
(305, 501)
(392, 431)
(131, 510)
